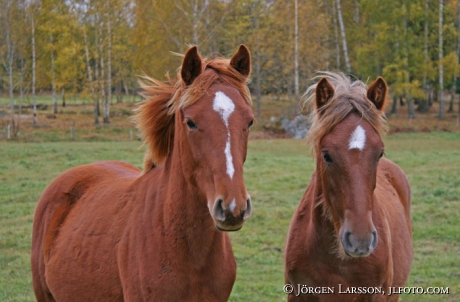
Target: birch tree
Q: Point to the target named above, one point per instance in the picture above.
(296, 50)
(109, 74)
(14, 54)
(344, 38)
(457, 56)
(32, 12)
(423, 106)
(90, 78)
(458, 42)
(8, 16)
(336, 36)
(441, 74)
(53, 74)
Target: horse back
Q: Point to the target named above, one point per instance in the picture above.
(57, 202)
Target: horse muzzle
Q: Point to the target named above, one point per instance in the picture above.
(232, 217)
(359, 246)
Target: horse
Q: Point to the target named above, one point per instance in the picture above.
(350, 238)
(108, 231)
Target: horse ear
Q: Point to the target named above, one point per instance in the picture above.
(191, 66)
(377, 93)
(241, 61)
(324, 92)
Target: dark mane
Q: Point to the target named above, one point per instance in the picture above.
(348, 97)
(155, 115)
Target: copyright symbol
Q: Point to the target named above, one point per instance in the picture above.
(288, 289)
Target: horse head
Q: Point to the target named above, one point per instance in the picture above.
(214, 131)
(347, 157)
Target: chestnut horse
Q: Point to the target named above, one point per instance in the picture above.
(109, 232)
(350, 237)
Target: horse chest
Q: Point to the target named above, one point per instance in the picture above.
(174, 271)
(313, 261)
(181, 286)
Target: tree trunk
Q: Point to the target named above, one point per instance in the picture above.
(21, 97)
(422, 106)
(118, 92)
(291, 113)
(425, 103)
(458, 46)
(195, 22)
(63, 96)
(258, 91)
(96, 79)
(425, 50)
(90, 77)
(296, 49)
(410, 105)
(336, 34)
(344, 39)
(101, 82)
(408, 92)
(34, 101)
(10, 53)
(10, 87)
(452, 97)
(441, 71)
(356, 12)
(53, 76)
(430, 96)
(394, 107)
(108, 99)
(125, 87)
(258, 65)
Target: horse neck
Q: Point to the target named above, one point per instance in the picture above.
(321, 215)
(181, 209)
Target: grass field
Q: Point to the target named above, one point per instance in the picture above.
(276, 172)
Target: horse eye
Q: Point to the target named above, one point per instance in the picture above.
(327, 158)
(250, 123)
(191, 125)
(381, 154)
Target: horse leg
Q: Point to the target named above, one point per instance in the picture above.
(42, 293)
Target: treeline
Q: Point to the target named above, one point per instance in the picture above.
(97, 48)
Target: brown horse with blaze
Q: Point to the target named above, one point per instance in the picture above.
(109, 232)
(351, 232)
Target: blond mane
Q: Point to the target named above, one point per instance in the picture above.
(154, 116)
(348, 97)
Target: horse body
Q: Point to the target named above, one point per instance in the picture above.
(312, 245)
(351, 231)
(108, 232)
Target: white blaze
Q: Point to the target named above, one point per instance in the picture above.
(225, 107)
(357, 139)
(232, 205)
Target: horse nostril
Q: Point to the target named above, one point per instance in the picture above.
(248, 210)
(347, 239)
(218, 210)
(375, 239)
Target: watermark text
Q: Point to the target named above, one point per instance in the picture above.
(302, 289)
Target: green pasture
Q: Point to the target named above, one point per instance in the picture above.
(47, 99)
(277, 173)
(44, 99)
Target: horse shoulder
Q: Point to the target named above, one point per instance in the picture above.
(63, 193)
(401, 237)
(300, 235)
(81, 192)
(398, 179)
